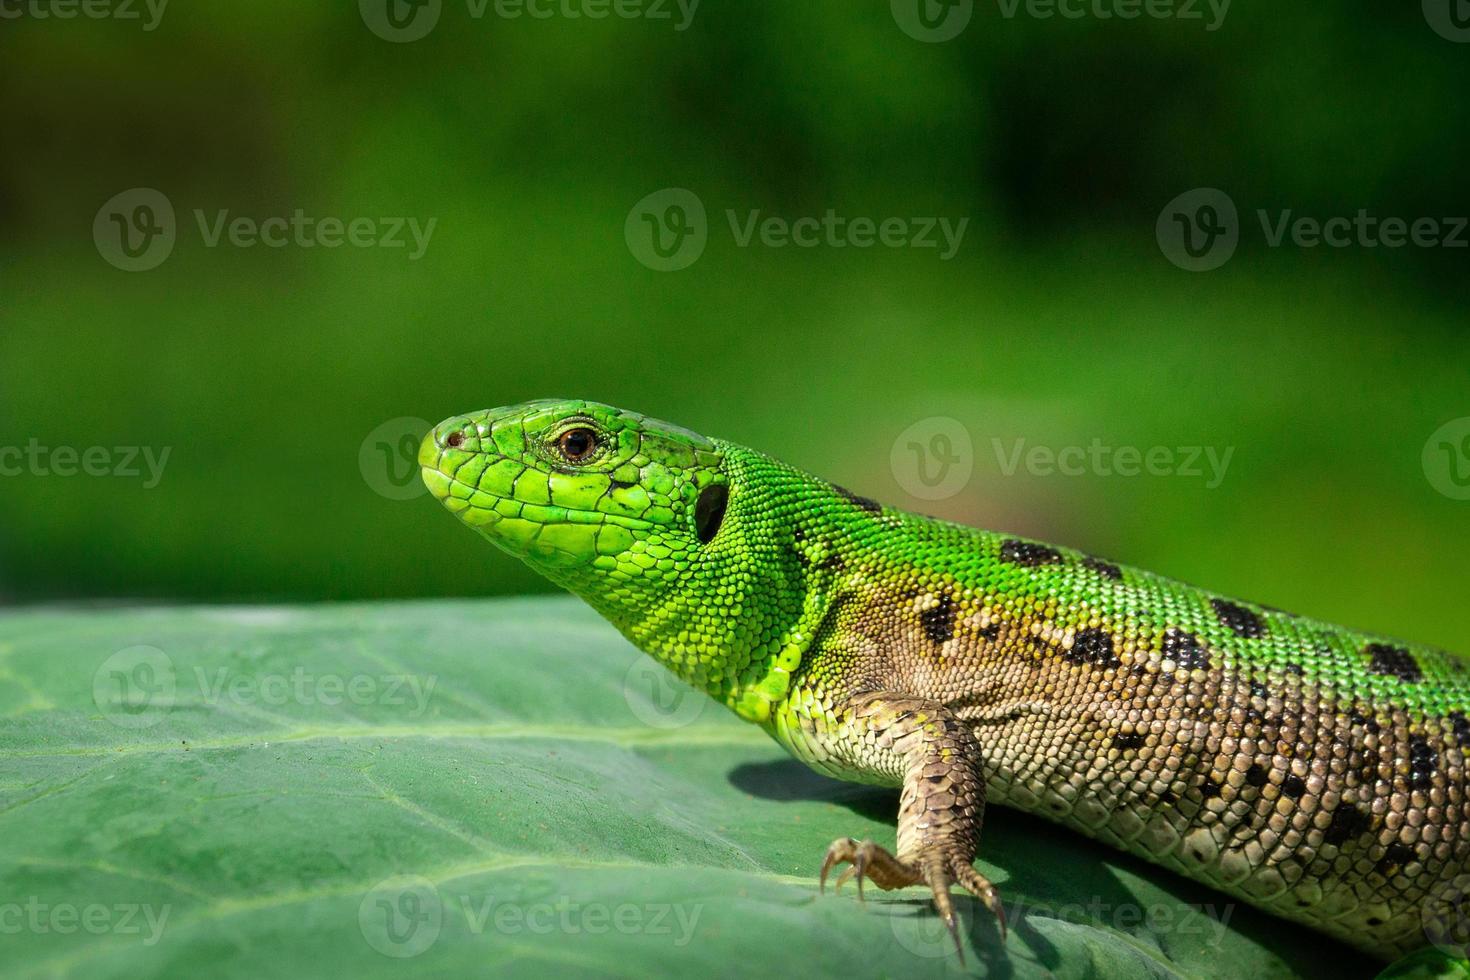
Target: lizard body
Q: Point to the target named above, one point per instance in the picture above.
(1313, 771)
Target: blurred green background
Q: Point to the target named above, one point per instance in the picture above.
(266, 372)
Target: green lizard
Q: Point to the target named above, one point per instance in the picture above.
(1314, 771)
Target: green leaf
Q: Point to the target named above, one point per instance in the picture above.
(490, 788)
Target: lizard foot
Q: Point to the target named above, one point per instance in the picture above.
(934, 865)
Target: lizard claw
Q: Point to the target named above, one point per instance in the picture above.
(954, 933)
(848, 874)
(978, 885)
(841, 850)
(857, 855)
(934, 865)
(868, 860)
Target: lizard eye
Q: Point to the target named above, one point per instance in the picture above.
(578, 444)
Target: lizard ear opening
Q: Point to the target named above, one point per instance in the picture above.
(709, 511)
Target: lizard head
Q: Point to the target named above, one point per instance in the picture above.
(707, 555)
(607, 503)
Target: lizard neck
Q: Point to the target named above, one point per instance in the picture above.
(738, 623)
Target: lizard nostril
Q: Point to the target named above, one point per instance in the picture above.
(454, 440)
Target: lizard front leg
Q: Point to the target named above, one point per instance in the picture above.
(932, 754)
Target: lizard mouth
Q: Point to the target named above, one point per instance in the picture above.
(464, 499)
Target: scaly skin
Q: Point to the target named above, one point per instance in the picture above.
(1314, 771)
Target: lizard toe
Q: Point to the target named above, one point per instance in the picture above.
(978, 885)
(868, 860)
(840, 850)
